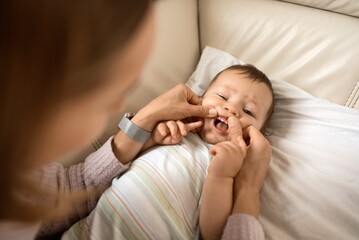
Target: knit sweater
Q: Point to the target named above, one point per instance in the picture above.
(99, 169)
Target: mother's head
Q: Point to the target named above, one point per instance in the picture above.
(65, 68)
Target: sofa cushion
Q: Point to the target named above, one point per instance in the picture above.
(313, 49)
(348, 7)
(174, 56)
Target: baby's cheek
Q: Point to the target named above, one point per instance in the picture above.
(245, 123)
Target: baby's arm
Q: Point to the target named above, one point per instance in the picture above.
(170, 132)
(217, 193)
(216, 205)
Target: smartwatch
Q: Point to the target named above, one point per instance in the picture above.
(131, 130)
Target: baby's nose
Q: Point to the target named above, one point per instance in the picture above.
(231, 110)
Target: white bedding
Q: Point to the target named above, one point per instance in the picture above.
(312, 187)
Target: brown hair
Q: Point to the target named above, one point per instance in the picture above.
(254, 74)
(51, 51)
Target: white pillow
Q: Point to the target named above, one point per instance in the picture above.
(212, 61)
(312, 187)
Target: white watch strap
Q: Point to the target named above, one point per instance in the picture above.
(133, 131)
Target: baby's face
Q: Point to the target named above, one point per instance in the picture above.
(234, 94)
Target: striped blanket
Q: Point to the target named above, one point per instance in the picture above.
(157, 198)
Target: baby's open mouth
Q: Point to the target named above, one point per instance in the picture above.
(221, 124)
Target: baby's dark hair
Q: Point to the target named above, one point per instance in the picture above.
(256, 75)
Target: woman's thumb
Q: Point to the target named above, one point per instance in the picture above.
(202, 111)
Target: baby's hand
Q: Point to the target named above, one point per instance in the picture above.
(228, 155)
(171, 132)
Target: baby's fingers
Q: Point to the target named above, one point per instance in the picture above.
(174, 130)
(182, 127)
(162, 129)
(192, 126)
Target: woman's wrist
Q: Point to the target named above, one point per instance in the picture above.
(125, 148)
(144, 120)
(247, 201)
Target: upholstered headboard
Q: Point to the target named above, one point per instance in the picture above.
(312, 48)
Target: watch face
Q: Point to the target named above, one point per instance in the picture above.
(129, 115)
(131, 130)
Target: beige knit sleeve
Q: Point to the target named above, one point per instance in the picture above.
(243, 226)
(98, 170)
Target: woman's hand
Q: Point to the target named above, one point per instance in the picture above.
(256, 164)
(176, 104)
(250, 178)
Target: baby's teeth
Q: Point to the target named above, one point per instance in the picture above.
(223, 120)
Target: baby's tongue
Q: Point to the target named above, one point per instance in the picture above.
(222, 126)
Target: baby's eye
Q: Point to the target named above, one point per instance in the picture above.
(248, 112)
(221, 96)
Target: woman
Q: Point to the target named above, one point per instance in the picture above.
(66, 67)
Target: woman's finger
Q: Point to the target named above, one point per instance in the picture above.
(191, 97)
(200, 111)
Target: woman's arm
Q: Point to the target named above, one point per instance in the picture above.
(97, 171)
(243, 223)
(250, 178)
(243, 227)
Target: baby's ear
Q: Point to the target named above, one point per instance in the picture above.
(266, 131)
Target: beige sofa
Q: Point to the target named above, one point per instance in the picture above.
(311, 44)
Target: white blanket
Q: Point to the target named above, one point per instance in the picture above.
(157, 198)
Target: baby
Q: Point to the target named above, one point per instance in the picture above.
(158, 197)
(241, 91)
(247, 94)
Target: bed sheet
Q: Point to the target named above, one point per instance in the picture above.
(312, 187)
